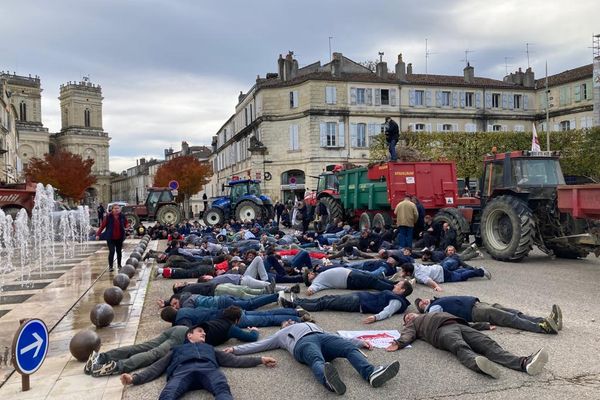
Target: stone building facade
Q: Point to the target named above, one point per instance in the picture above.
(81, 127)
(291, 124)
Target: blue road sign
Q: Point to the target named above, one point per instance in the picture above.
(173, 185)
(30, 346)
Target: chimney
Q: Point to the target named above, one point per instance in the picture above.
(142, 161)
(337, 64)
(240, 97)
(409, 69)
(280, 63)
(469, 73)
(185, 148)
(381, 70)
(400, 69)
(288, 66)
(529, 79)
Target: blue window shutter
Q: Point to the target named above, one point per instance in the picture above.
(454, 99)
(478, 100)
(328, 95)
(511, 101)
(353, 134)
(341, 135)
(369, 96)
(488, 100)
(428, 98)
(438, 98)
(411, 97)
(377, 97)
(504, 100)
(291, 137)
(393, 97)
(352, 95)
(577, 92)
(463, 100)
(334, 93)
(525, 102)
(323, 132)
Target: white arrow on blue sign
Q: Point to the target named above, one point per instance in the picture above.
(31, 346)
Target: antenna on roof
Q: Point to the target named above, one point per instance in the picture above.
(427, 54)
(506, 65)
(466, 59)
(330, 53)
(528, 52)
(380, 56)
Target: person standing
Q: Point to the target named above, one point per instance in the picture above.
(100, 210)
(205, 201)
(406, 218)
(112, 229)
(392, 135)
(323, 215)
(279, 207)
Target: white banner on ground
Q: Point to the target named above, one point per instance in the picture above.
(379, 339)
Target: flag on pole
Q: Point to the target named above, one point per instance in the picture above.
(535, 143)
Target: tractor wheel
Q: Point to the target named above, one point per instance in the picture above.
(213, 216)
(269, 211)
(12, 211)
(381, 220)
(169, 215)
(248, 211)
(132, 220)
(568, 251)
(365, 221)
(456, 221)
(508, 228)
(334, 208)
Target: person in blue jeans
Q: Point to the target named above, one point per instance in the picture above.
(195, 365)
(194, 316)
(432, 275)
(220, 302)
(275, 269)
(312, 346)
(377, 268)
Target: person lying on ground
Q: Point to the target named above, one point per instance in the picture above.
(194, 316)
(350, 253)
(195, 365)
(432, 275)
(383, 304)
(473, 349)
(129, 358)
(471, 309)
(183, 300)
(343, 278)
(309, 344)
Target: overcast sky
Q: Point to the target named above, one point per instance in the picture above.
(171, 70)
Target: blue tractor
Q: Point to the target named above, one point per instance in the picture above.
(243, 203)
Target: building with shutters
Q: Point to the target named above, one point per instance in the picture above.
(81, 129)
(291, 124)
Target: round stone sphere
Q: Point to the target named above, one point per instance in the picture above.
(128, 270)
(102, 315)
(83, 343)
(147, 237)
(113, 295)
(121, 280)
(136, 255)
(133, 262)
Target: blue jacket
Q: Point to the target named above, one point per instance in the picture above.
(108, 230)
(375, 302)
(200, 352)
(461, 306)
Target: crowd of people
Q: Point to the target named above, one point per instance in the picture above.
(237, 268)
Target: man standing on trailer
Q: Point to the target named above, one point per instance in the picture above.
(392, 135)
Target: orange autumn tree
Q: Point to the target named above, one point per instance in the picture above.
(68, 173)
(191, 174)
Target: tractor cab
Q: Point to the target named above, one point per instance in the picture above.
(241, 188)
(157, 196)
(532, 174)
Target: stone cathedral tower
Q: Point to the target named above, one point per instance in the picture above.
(82, 133)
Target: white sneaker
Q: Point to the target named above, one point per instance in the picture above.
(488, 367)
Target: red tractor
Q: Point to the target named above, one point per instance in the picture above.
(159, 206)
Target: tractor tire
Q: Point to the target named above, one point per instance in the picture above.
(456, 221)
(381, 220)
(248, 211)
(569, 252)
(269, 212)
(213, 216)
(132, 220)
(169, 215)
(12, 211)
(334, 208)
(365, 221)
(508, 228)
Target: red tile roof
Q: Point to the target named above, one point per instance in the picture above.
(570, 75)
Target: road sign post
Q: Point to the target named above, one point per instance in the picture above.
(29, 348)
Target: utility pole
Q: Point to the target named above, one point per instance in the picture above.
(527, 51)
(547, 111)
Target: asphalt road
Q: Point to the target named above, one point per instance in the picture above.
(573, 370)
